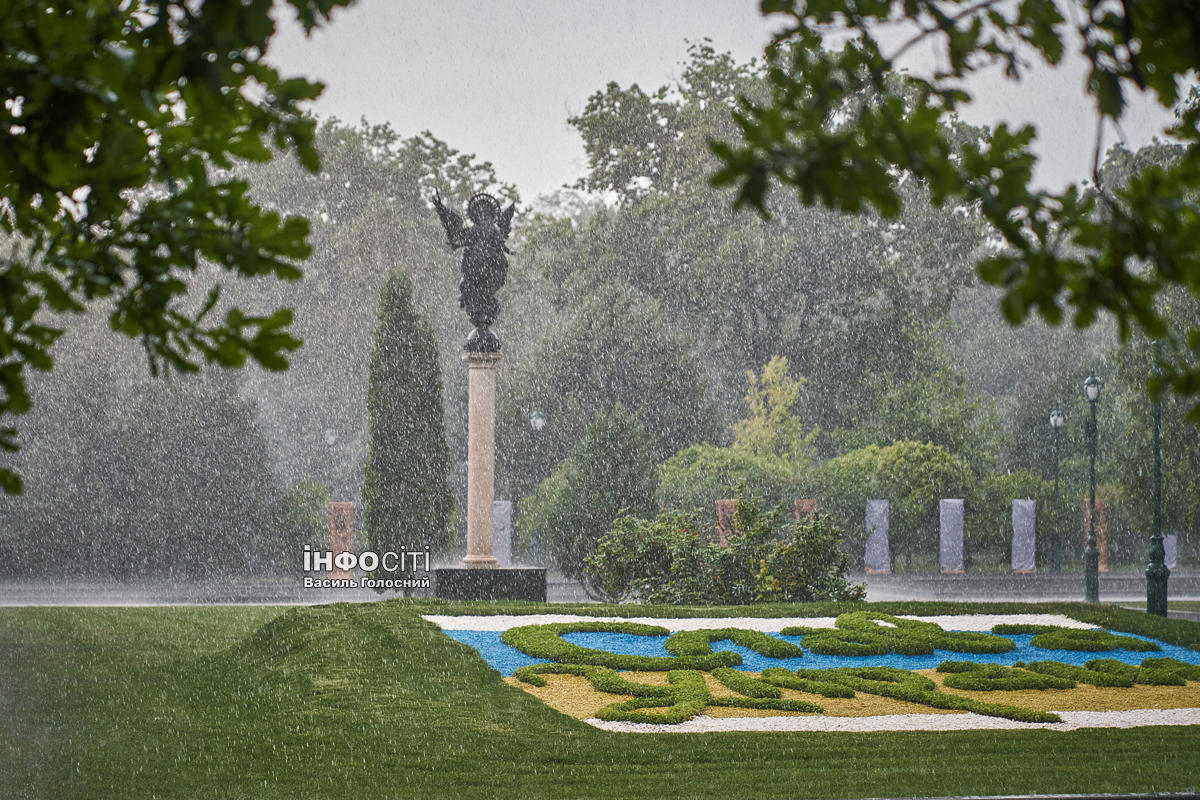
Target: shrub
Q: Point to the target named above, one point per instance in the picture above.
(673, 559)
(807, 566)
(611, 473)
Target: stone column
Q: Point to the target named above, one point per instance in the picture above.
(950, 551)
(481, 458)
(877, 557)
(1024, 538)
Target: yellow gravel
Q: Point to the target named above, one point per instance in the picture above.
(573, 695)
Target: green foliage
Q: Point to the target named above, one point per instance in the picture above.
(696, 476)
(912, 688)
(673, 559)
(545, 641)
(120, 125)
(823, 292)
(1147, 676)
(970, 676)
(912, 476)
(926, 400)
(1079, 674)
(406, 492)
(664, 560)
(1180, 438)
(689, 697)
(743, 684)
(618, 349)
(845, 128)
(1189, 672)
(699, 643)
(303, 520)
(988, 524)
(610, 473)
(770, 457)
(786, 679)
(1088, 640)
(808, 565)
(859, 633)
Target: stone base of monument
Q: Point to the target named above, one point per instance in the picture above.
(456, 583)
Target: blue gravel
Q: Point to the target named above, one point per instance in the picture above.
(505, 659)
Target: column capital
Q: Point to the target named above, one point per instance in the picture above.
(482, 360)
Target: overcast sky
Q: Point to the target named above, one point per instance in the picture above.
(499, 78)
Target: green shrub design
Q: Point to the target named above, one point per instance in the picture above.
(1051, 637)
(545, 641)
(1147, 676)
(859, 633)
(743, 684)
(1190, 672)
(786, 679)
(1079, 674)
(688, 696)
(974, 677)
(910, 687)
(699, 643)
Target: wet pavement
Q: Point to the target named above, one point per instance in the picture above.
(1125, 588)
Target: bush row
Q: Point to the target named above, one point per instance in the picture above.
(1051, 637)
(858, 633)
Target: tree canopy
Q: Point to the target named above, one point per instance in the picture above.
(844, 128)
(121, 122)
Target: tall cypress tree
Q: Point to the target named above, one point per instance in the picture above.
(406, 489)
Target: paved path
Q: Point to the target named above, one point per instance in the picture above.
(1122, 588)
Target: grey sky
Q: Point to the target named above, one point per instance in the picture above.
(500, 78)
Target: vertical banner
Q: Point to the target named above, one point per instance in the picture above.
(725, 510)
(877, 558)
(502, 529)
(1170, 550)
(1024, 541)
(341, 534)
(1101, 530)
(950, 515)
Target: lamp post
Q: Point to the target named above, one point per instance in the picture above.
(537, 421)
(1091, 556)
(1057, 420)
(1157, 571)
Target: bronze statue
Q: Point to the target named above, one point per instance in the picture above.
(484, 266)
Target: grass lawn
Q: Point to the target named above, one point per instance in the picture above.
(371, 701)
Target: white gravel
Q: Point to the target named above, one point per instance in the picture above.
(961, 622)
(1071, 720)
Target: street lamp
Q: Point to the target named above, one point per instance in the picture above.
(1091, 556)
(1057, 420)
(537, 421)
(1157, 571)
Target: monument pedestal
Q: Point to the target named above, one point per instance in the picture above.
(518, 583)
(481, 458)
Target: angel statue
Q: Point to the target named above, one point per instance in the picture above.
(484, 266)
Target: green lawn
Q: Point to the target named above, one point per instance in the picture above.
(371, 701)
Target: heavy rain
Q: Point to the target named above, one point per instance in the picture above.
(732, 372)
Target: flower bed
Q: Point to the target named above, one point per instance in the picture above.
(860, 671)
